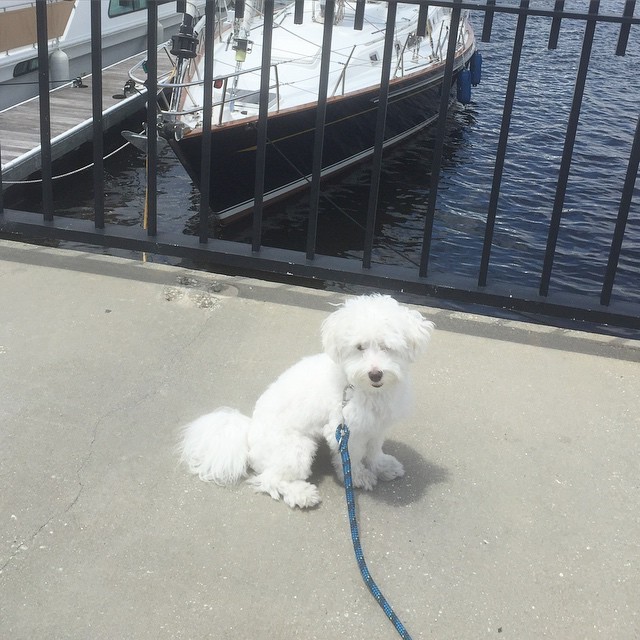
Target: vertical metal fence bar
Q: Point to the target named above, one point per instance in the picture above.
(502, 143)
(555, 25)
(423, 16)
(1, 186)
(152, 118)
(436, 164)
(625, 28)
(207, 110)
(318, 140)
(567, 151)
(263, 112)
(358, 19)
(378, 147)
(96, 107)
(45, 110)
(487, 24)
(623, 214)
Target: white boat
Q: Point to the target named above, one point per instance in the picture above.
(124, 31)
(416, 80)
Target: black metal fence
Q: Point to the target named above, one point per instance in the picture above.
(607, 307)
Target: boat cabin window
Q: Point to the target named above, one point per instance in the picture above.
(24, 67)
(120, 7)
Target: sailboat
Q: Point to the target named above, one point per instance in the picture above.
(355, 72)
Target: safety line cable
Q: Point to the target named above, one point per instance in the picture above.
(69, 173)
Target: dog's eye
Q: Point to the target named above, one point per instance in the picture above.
(360, 347)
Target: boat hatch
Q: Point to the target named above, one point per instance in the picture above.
(250, 98)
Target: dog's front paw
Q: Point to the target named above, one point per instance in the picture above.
(387, 467)
(294, 493)
(301, 494)
(363, 478)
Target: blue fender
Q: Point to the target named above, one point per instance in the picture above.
(464, 87)
(475, 66)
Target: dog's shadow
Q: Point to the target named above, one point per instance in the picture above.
(419, 475)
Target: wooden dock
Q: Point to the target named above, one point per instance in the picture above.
(71, 118)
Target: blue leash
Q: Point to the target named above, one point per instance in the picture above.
(342, 436)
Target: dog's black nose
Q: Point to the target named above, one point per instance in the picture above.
(375, 375)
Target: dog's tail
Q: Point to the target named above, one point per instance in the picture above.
(215, 446)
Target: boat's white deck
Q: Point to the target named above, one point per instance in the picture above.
(356, 60)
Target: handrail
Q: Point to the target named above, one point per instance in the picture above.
(225, 99)
(195, 83)
(441, 41)
(343, 73)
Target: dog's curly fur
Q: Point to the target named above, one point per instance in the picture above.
(368, 344)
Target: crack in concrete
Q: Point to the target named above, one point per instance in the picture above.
(134, 401)
(28, 541)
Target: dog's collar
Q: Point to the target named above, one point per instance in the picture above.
(347, 394)
(342, 433)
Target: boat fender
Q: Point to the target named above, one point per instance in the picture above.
(58, 68)
(464, 87)
(475, 66)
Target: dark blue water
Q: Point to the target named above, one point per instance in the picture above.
(609, 114)
(545, 90)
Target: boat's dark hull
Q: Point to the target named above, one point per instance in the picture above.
(348, 138)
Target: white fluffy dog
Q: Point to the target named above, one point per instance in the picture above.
(368, 343)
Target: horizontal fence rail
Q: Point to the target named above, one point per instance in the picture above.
(255, 257)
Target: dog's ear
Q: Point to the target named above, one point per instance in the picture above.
(417, 333)
(331, 343)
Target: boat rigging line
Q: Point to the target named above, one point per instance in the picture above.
(336, 206)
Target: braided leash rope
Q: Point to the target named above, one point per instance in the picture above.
(342, 436)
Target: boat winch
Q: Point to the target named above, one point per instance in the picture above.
(184, 43)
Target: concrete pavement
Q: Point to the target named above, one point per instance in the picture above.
(518, 516)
